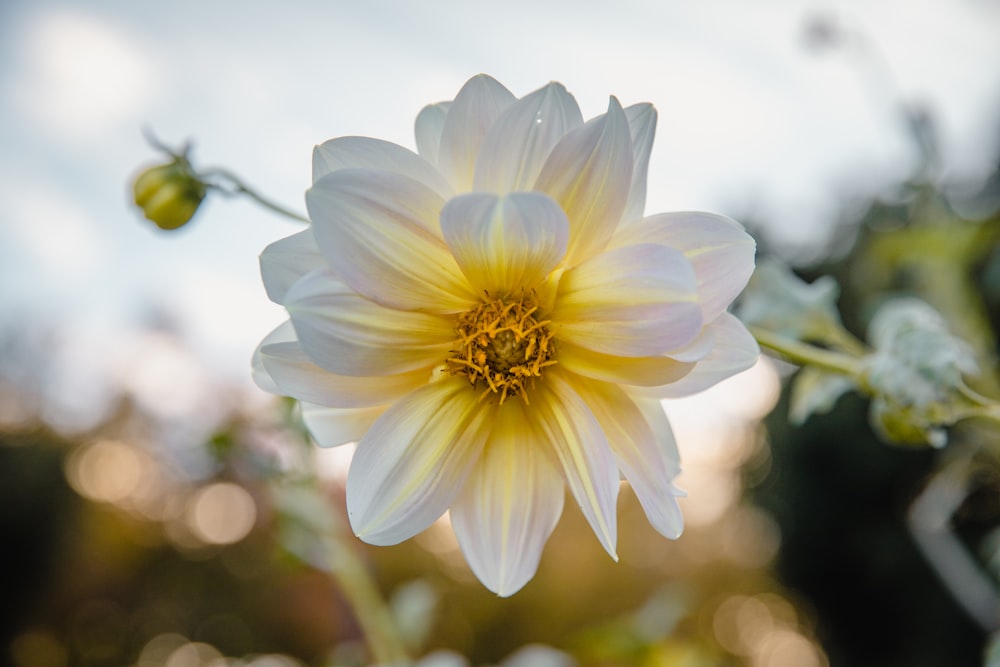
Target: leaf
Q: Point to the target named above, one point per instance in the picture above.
(815, 391)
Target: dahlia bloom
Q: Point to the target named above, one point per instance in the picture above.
(492, 320)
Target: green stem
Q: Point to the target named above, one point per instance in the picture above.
(841, 338)
(341, 555)
(804, 354)
(239, 187)
(358, 587)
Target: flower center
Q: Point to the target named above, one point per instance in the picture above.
(502, 347)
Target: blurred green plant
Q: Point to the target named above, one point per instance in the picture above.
(913, 368)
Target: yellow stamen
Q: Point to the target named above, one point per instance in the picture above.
(502, 348)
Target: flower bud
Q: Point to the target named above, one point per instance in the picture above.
(169, 194)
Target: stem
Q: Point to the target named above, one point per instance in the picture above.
(843, 339)
(804, 354)
(358, 587)
(333, 549)
(239, 187)
(929, 521)
(991, 412)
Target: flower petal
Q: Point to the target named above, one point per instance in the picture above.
(478, 104)
(519, 142)
(589, 173)
(332, 427)
(412, 462)
(381, 231)
(368, 153)
(428, 128)
(734, 351)
(636, 301)
(505, 244)
(696, 349)
(642, 371)
(282, 333)
(642, 123)
(285, 261)
(648, 463)
(721, 252)
(509, 505)
(294, 374)
(347, 334)
(572, 432)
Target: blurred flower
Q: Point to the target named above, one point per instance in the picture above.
(493, 319)
(169, 194)
(915, 372)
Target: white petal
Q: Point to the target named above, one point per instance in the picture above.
(294, 374)
(332, 427)
(648, 463)
(428, 128)
(412, 462)
(285, 261)
(642, 123)
(509, 505)
(380, 230)
(367, 153)
(572, 432)
(519, 142)
(721, 252)
(283, 333)
(505, 244)
(734, 351)
(636, 301)
(696, 349)
(347, 334)
(478, 104)
(642, 371)
(656, 418)
(589, 173)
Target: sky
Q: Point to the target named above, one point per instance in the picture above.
(750, 119)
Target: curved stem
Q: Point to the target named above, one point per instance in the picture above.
(929, 521)
(239, 187)
(804, 354)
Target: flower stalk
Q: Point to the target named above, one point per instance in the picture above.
(358, 587)
(805, 354)
(234, 186)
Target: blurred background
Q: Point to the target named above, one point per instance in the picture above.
(157, 509)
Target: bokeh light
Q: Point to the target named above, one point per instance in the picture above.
(221, 513)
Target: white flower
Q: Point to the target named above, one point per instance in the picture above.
(492, 319)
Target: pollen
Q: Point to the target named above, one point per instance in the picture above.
(502, 348)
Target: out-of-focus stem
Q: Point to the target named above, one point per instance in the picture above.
(929, 521)
(358, 587)
(804, 354)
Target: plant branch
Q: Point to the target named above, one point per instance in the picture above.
(804, 354)
(239, 187)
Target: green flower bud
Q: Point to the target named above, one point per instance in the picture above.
(169, 194)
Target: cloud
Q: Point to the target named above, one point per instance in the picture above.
(80, 75)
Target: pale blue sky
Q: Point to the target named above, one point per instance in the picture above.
(748, 118)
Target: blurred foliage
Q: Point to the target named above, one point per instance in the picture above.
(890, 546)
